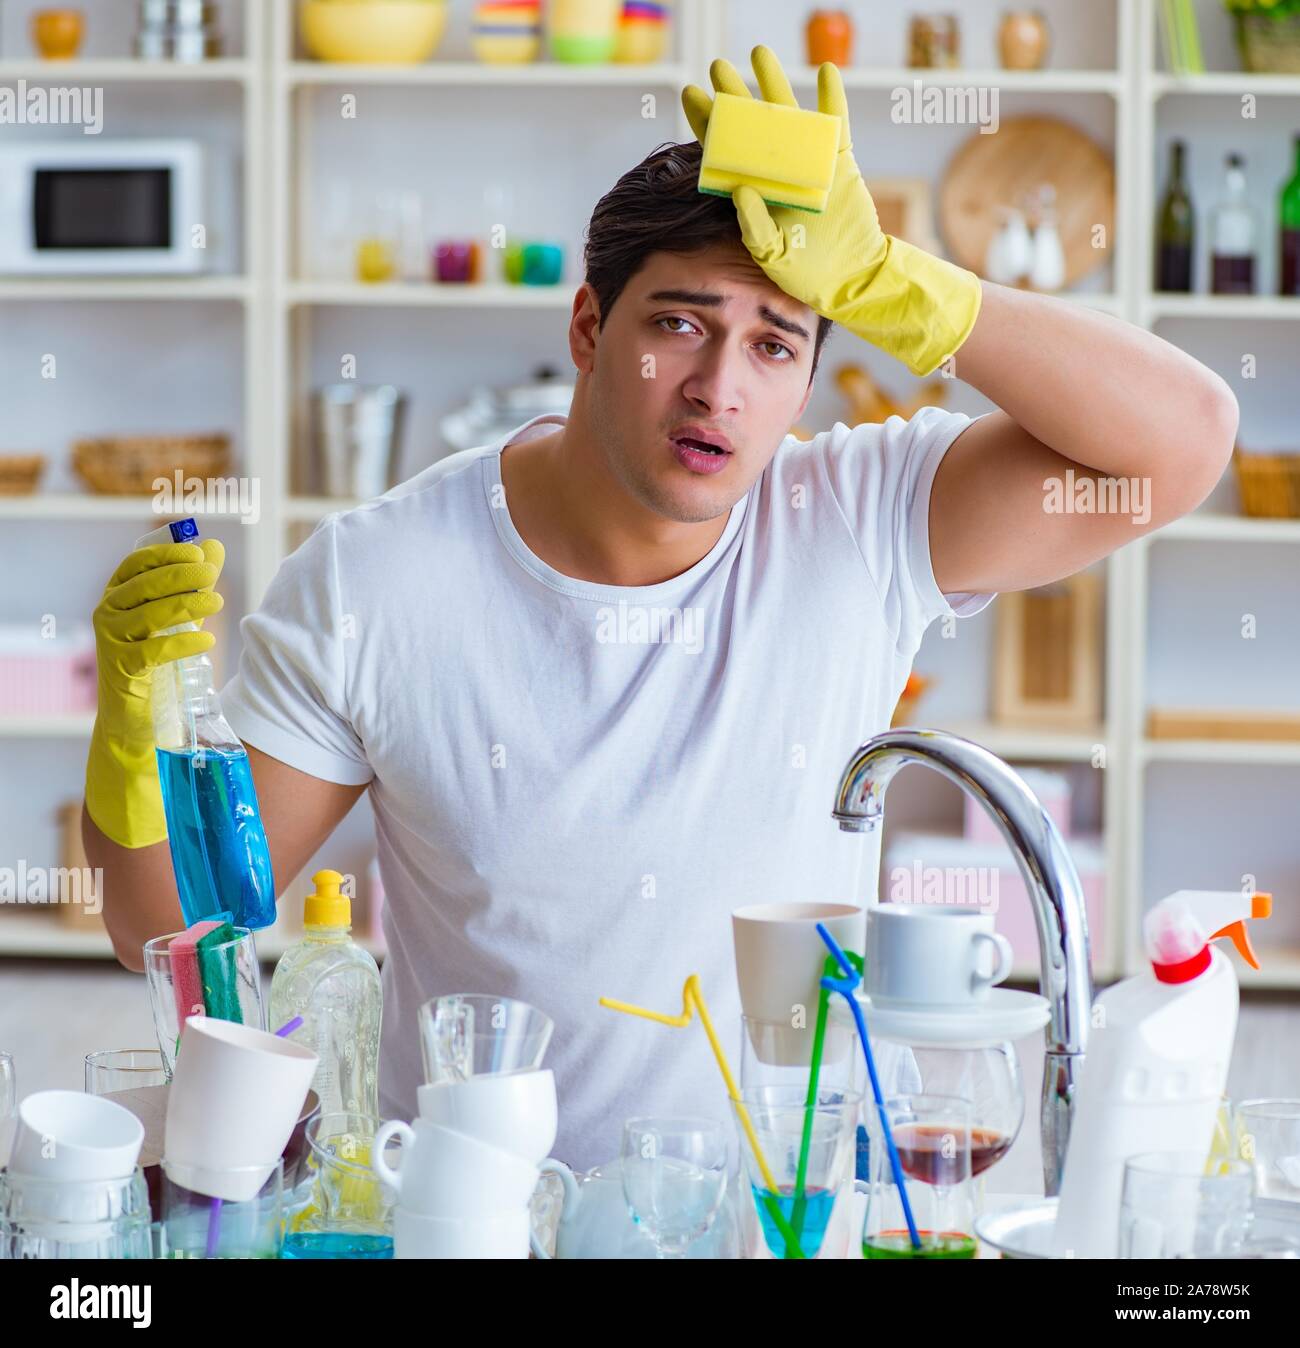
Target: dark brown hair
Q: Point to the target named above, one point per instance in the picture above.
(657, 207)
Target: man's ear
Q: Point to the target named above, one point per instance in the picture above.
(584, 328)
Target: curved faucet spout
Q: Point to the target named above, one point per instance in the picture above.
(1065, 976)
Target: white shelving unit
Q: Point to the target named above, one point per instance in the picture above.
(283, 308)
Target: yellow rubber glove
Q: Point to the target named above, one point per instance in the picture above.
(154, 588)
(841, 263)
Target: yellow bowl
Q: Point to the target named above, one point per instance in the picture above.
(373, 32)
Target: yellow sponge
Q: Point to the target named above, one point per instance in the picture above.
(786, 154)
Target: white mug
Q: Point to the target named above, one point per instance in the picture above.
(516, 1111)
(448, 1174)
(780, 959)
(416, 1236)
(932, 956)
(68, 1135)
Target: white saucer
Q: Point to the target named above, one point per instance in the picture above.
(1007, 1014)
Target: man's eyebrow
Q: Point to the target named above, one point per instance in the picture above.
(709, 299)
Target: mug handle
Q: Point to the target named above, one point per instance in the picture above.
(1002, 965)
(571, 1199)
(383, 1135)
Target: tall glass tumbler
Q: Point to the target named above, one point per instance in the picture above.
(229, 988)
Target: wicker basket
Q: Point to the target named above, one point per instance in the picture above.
(130, 465)
(1269, 43)
(1269, 484)
(19, 473)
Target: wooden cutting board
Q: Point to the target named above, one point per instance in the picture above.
(999, 169)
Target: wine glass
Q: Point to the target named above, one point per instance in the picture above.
(674, 1174)
(989, 1078)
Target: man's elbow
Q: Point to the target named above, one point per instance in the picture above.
(1197, 463)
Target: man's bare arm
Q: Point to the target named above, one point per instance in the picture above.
(1080, 391)
(298, 812)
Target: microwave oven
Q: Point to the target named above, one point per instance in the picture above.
(127, 207)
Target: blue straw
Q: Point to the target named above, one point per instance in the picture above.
(845, 987)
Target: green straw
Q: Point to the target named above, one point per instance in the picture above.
(830, 968)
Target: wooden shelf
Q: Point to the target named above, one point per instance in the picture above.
(1216, 528)
(1005, 81)
(28, 932)
(55, 505)
(47, 727)
(93, 288)
(1234, 82)
(1014, 743)
(1246, 753)
(128, 70)
(1222, 307)
(541, 74)
(420, 294)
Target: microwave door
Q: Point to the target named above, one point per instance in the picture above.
(119, 210)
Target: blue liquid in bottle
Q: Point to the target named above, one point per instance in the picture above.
(218, 845)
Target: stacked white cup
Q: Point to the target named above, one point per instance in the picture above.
(469, 1165)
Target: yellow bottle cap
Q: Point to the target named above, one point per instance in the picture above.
(327, 907)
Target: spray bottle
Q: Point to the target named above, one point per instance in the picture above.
(1157, 1060)
(214, 828)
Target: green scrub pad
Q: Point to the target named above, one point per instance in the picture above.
(220, 974)
(786, 154)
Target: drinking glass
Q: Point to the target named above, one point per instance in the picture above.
(1171, 1208)
(348, 1213)
(772, 1053)
(74, 1219)
(932, 1135)
(674, 1174)
(464, 1035)
(990, 1079)
(780, 1115)
(238, 956)
(1269, 1132)
(8, 1105)
(200, 1227)
(124, 1069)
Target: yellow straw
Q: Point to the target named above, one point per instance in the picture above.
(693, 997)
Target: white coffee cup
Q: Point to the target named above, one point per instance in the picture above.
(235, 1098)
(444, 1173)
(932, 956)
(780, 957)
(516, 1111)
(68, 1135)
(416, 1236)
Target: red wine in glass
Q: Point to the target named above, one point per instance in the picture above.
(925, 1151)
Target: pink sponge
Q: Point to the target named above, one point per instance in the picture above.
(187, 982)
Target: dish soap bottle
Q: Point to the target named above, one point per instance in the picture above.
(214, 828)
(1157, 1061)
(334, 985)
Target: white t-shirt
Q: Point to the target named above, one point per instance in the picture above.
(575, 784)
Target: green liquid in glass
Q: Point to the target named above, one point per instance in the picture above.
(898, 1245)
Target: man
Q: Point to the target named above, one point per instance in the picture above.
(600, 678)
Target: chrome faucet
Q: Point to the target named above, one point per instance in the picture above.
(1065, 977)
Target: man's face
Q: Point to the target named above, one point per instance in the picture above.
(697, 346)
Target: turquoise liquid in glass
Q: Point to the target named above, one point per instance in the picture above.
(218, 845)
(816, 1214)
(336, 1245)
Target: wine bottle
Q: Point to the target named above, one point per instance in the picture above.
(1289, 237)
(1176, 234)
(1233, 235)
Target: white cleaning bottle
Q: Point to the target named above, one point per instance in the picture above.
(1157, 1061)
(334, 985)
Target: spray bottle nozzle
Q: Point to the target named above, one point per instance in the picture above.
(1176, 929)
